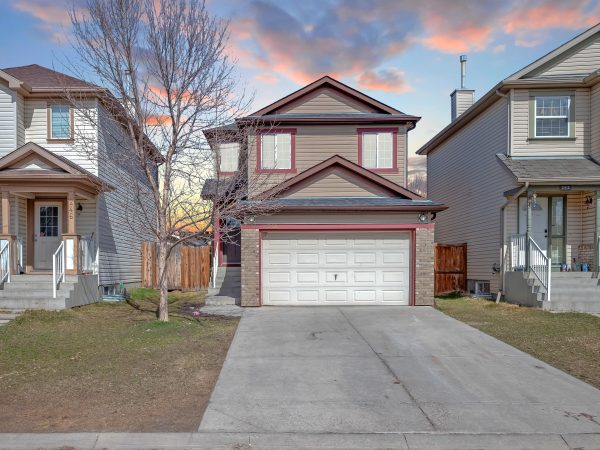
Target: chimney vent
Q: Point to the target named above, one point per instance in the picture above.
(461, 99)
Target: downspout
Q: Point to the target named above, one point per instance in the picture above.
(502, 227)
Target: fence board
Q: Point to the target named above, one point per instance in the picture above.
(450, 265)
(188, 268)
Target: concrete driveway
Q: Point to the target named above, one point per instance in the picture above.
(387, 370)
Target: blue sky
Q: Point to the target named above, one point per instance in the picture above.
(402, 52)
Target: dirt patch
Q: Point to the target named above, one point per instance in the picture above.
(110, 367)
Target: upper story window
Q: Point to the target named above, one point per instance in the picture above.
(276, 150)
(552, 116)
(377, 149)
(229, 153)
(60, 122)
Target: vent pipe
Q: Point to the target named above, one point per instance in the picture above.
(463, 70)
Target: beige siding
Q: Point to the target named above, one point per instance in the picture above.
(123, 224)
(83, 150)
(338, 184)
(583, 59)
(7, 120)
(85, 221)
(339, 218)
(522, 146)
(20, 120)
(316, 143)
(595, 123)
(465, 174)
(324, 101)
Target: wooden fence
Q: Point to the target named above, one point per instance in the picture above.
(450, 269)
(188, 268)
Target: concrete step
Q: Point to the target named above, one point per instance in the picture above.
(585, 306)
(220, 300)
(63, 291)
(33, 303)
(574, 275)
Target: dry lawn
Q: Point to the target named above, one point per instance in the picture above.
(110, 367)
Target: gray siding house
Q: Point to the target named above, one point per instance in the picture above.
(68, 222)
(519, 171)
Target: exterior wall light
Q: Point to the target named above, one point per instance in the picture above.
(423, 217)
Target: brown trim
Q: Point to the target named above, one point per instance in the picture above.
(343, 162)
(394, 131)
(408, 208)
(259, 134)
(327, 80)
(49, 137)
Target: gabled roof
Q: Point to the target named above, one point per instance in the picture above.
(518, 79)
(338, 161)
(554, 54)
(574, 170)
(330, 82)
(60, 167)
(36, 78)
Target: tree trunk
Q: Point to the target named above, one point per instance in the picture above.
(163, 306)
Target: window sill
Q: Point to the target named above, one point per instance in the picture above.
(227, 174)
(383, 170)
(275, 170)
(60, 141)
(546, 139)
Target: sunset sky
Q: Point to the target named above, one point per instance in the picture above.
(402, 52)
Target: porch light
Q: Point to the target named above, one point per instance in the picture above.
(79, 207)
(422, 217)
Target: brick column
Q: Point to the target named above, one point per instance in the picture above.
(424, 266)
(250, 268)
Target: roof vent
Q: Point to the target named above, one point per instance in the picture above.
(461, 99)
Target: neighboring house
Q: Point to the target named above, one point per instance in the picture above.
(63, 190)
(519, 172)
(328, 164)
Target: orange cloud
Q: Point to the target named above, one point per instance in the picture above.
(549, 15)
(267, 78)
(391, 80)
(158, 120)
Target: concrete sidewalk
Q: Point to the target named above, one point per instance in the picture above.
(410, 441)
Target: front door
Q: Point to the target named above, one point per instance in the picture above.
(47, 233)
(539, 224)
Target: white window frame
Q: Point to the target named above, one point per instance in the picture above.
(231, 145)
(378, 134)
(568, 116)
(276, 151)
(69, 116)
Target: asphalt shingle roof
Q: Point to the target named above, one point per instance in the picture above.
(39, 77)
(552, 170)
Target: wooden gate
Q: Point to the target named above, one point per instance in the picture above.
(450, 269)
(188, 268)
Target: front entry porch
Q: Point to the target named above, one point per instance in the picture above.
(551, 248)
(48, 231)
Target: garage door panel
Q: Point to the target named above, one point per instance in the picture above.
(340, 269)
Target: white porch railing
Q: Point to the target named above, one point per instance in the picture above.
(517, 252)
(526, 256)
(540, 265)
(87, 255)
(20, 259)
(58, 268)
(5, 263)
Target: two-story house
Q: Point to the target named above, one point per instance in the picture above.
(329, 220)
(67, 236)
(519, 171)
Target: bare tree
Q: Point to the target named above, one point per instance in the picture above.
(166, 76)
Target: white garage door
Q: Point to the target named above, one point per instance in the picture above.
(324, 268)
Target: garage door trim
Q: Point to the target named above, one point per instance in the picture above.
(328, 228)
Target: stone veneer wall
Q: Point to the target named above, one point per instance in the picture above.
(423, 265)
(250, 271)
